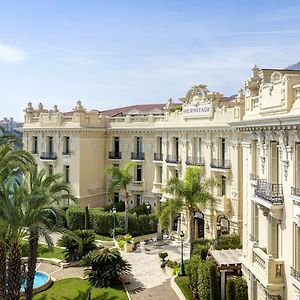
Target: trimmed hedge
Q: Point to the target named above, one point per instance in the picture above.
(191, 267)
(204, 284)
(120, 206)
(230, 289)
(102, 222)
(229, 241)
(140, 210)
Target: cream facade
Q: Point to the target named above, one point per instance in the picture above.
(271, 173)
(83, 143)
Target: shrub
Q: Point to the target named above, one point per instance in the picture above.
(204, 280)
(105, 267)
(202, 242)
(229, 241)
(102, 222)
(163, 255)
(120, 206)
(201, 250)
(86, 218)
(191, 268)
(75, 217)
(230, 289)
(140, 210)
(123, 239)
(241, 288)
(214, 283)
(77, 243)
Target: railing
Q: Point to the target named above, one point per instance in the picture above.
(253, 177)
(114, 155)
(66, 152)
(137, 185)
(295, 274)
(220, 163)
(173, 159)
(295, 191)
(269, 267)
(158, 156)
(271, 192)
(48, 155)
(252, 238)
(138, 155)
(195, 161)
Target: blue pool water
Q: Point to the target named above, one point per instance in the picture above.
(39, 279)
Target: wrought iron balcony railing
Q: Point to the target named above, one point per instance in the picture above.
(271, 192)
(295, 274)
(295, 191)
(138, 155)
(114, 155)
(195, 161)
(220, 163)
(48, 155)
(158, 156)
(173, 159)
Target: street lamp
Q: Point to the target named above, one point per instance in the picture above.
(148, 206)
(218, 231)
(182, 271)
(114, 210)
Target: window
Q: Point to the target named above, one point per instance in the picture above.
(67, 174)
(139, 173)
(274, 163)
(138, 199)
(66, 145)
(50, 169)
(116, 197)
(223, 150)
(139, 144)
(296, 248)
(50, 144)
(223, 186)
(254, 158)
(160, 145)
(176, 140)
(116, 145)
(199, 148)
(35, 145)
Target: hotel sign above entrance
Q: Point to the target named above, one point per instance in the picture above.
(199, 111)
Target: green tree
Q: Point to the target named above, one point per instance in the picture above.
(120, 180)
(187, 195)
(214, 283)
(42, 192)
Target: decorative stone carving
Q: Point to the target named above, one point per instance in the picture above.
(196, 95)
(285, 168)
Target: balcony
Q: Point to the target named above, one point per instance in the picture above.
(158, 157)
(271, 192)
(173, 159)
(48, 156)
(220, 164)
(195, 161)
(157, 186)
(138, 155)
(114, 155)
(269, 270)
(295, 191)
(137, 186)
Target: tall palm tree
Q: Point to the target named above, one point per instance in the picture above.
(187, 195)
(120, 179)
(42, 193)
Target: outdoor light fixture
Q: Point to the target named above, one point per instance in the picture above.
(114, 210)
(182, 271)
(218, 231)
(148, 206)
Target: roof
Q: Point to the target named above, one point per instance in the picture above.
(227, 259)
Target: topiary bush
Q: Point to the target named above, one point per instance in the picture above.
(230, 289)
(214, 282)
(241, 288)
(191, 268)
(204, 280)
(229, 241)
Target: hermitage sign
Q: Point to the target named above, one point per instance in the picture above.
(201, 110)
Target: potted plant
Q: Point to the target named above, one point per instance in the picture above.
(163, 256)
(125, 242)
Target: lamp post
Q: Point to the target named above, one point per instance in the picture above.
(148, 206)
(182, 271)
(218, 231)
(114, 210)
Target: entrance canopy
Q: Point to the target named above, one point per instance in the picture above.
(227, 259)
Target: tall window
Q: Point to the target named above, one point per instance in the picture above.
(223, 186)
(199, 147)
(274, 163)
(66, 145)
(296, 247)
(116, 197)
(176, 142)
(139, 144)
(223, 151)
(35, 145)
(67, 173)
(159, 145)
(138, 199)
(116, 145)
(139, 173)
(254, 162)
(50, 144)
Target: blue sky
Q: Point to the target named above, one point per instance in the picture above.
(118, 53)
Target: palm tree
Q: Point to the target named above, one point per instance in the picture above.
(42, 193)
(187, 195)
(120, 179)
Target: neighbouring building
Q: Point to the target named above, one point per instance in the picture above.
(10, 124)
(271, 175)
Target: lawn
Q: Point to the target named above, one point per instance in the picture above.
(182, 282)
(77, 289)
(44, 251)
(103, 238)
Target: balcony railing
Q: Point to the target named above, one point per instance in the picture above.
(220, 163)
(138, 155)
(114, 155)
(195, 161)
(295, 274)
(271, 192)
(173, 159)
(137, 185)
(48, 155)
(295, 191)
(158, 156)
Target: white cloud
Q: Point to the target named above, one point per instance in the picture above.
(11, 54)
